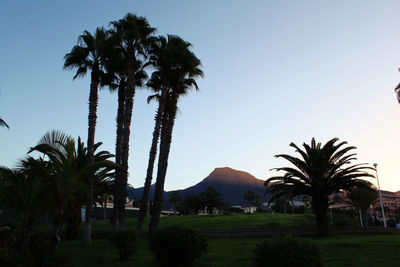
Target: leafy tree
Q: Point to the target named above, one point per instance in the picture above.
(23, 195)
(130, 38)
(186, 71)
(252, 198)
(320, 172)
(362, 199)
(211, 198)
(191, 204)
(174, 198)
(89, 55)
(281, 205)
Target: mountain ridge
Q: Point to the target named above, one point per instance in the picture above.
(231, 183)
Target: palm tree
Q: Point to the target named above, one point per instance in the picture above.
(3, 123)
(23, 195)
(362, 199)
(88, 55)
(130, 37)
(165, 56)
(186, 70)
(174, 198)
(68, 176)
(320, 172)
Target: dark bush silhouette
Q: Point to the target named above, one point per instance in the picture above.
(287, 251)
(125, 241)
(177, 246)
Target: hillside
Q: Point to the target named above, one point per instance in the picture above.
(232, 184)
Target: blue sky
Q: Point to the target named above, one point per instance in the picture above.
(275, 72)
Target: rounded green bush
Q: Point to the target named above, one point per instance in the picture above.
(177, 246)
(287, 251)
(125, 241)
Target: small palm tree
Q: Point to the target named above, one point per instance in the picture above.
(174, 198)
(23, 195)
(320, 172)
(89, 55)
(68, 176)
(362, 199)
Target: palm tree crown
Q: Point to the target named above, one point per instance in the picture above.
(320, 172)
(3, 123)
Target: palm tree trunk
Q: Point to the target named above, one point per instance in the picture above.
(166, 138)
(57, 227)
(93, 99)
(366, 218)
(130, 94)
(150, 167)
(118, 156)
(320, 206)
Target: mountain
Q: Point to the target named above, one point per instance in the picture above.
(232, 184)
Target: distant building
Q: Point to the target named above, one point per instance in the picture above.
(391, 204)
(390, 201)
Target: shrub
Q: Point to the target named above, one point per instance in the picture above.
(125, 241)
(391, 223)
(41, 253)
(10, 258)
(287, 251)
(342, 221)
(7, 237)
(177, 246)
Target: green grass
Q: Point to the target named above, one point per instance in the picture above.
(257, 220)
(342, 250)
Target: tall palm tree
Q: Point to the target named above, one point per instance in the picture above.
(186, 70)
(362, 199)
(320, 172)
(88, 55)
(3, 123)
(165, 56)
(130, 37)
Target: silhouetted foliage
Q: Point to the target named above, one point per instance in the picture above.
(211, 199)
(362, 198)
(125, 241)
(320, 172)
(177, 246)
(287, 251)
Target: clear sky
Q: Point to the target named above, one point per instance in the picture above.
(275, 72)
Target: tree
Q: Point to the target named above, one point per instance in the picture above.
(68, 176)
(174, 198)
(211, 198)
(191, 204)
(130, 37)
(320, 172)
(186, 71)
(23, 195)
(89, 55)
(165, 56)
(3, 123)
(252, 198)
(362, 199)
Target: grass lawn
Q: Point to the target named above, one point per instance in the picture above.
(341, 250)
(256, 220)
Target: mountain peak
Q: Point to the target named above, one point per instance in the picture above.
(227, 174)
